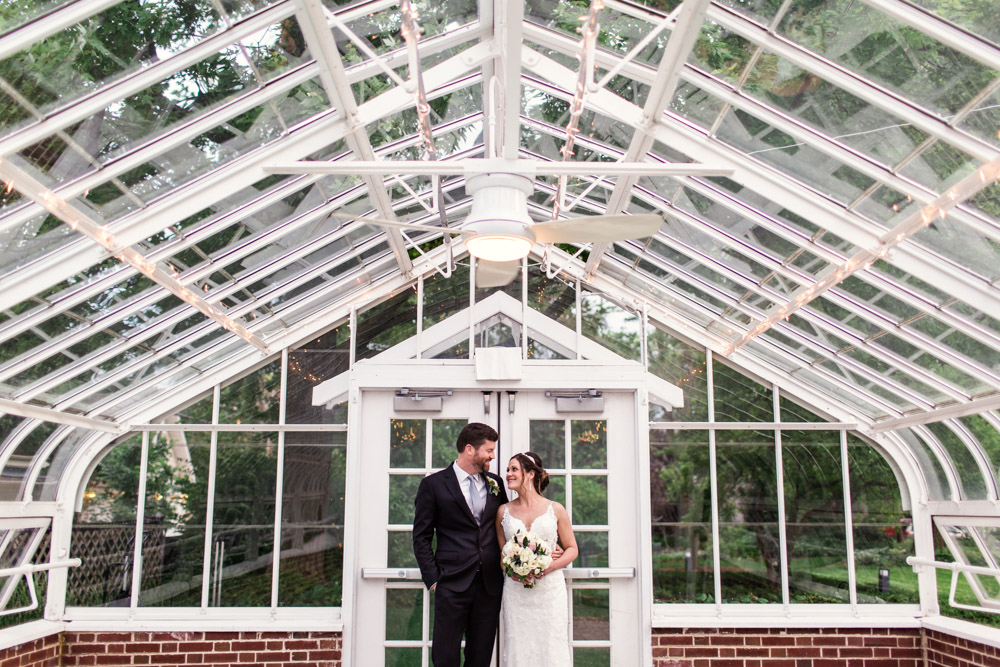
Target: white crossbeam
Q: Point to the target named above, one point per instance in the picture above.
(939, 414)
(30, 411)
(473, 166)
(81, 222)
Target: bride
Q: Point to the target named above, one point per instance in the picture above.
(536, 619)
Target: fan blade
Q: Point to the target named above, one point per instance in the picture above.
(597, 228)
(496, 274)
(413, 226)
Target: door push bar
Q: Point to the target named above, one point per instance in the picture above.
(413, 574)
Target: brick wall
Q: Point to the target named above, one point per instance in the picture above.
(750, 647)
(42, 652)
(221, 649)
(944, 650)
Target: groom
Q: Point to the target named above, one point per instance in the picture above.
(460, 504)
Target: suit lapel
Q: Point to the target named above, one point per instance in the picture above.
(451, 482)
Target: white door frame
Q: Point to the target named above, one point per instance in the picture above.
(628, 378)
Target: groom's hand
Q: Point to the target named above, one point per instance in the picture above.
(557, 552)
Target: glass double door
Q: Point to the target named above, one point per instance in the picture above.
(589, 457)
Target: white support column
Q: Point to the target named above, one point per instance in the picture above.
(852, 577)
(713, 471)
(279, 482)
(779, 468)
(140, 522)
(509, 36)
(206, 565)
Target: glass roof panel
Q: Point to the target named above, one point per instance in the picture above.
(969, 473)
(976, 16)
(889, 53)
(104, 48)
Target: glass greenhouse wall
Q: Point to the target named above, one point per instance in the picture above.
(196, 232)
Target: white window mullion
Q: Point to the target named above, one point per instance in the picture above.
(140, 520)
(206, 570)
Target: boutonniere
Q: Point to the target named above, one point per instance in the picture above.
(494, 487)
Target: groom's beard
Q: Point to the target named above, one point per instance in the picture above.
(481, 464)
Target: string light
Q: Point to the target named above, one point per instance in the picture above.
(588, 44)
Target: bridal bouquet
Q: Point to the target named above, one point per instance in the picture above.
(525, 556)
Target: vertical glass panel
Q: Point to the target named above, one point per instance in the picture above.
(404, 614)
(593, 549)
(322, 358)
(590, 500)
(740, 399)
(386, 324)
(548, 440)
(883, 531)
(402, 491)
(589, 443)
(591, 657)
(445, 436)
(312, 520)
(252, 399)
(969, 473)
(552, 297)
(403, 656)
(748, 517)
(400, 549)
(407, 443)
(443, 297)
(511, 289)
(557, 490)
(815, 536)
(104, 531)
(611, 326)
(681, 506)
(591, 614)
(682, 365)
(498, 331)
(176, 504)
(243, 521)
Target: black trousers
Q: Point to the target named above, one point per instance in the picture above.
(473, 613)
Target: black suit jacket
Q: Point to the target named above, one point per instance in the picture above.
(463, 545)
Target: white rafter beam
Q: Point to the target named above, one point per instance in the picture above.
(683, 35)
(970, 185)
(812, 206)
(508, 26)
(939, 414)
(81, 222)
(474, 165)
(58, 417)
(315, 27)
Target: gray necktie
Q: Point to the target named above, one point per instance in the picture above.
(477, 508)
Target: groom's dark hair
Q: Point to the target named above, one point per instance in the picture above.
(476, 434)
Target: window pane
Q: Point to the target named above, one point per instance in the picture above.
(243, 521)
(814, 517)
(682, 516)
(748, 516)
(104, 530)
(312, 520)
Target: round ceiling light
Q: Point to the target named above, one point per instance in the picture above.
(499, 240)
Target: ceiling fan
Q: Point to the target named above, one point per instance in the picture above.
(498, 230)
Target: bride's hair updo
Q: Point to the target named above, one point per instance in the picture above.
(532, 462)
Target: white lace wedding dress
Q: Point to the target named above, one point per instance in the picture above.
(535, 620)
